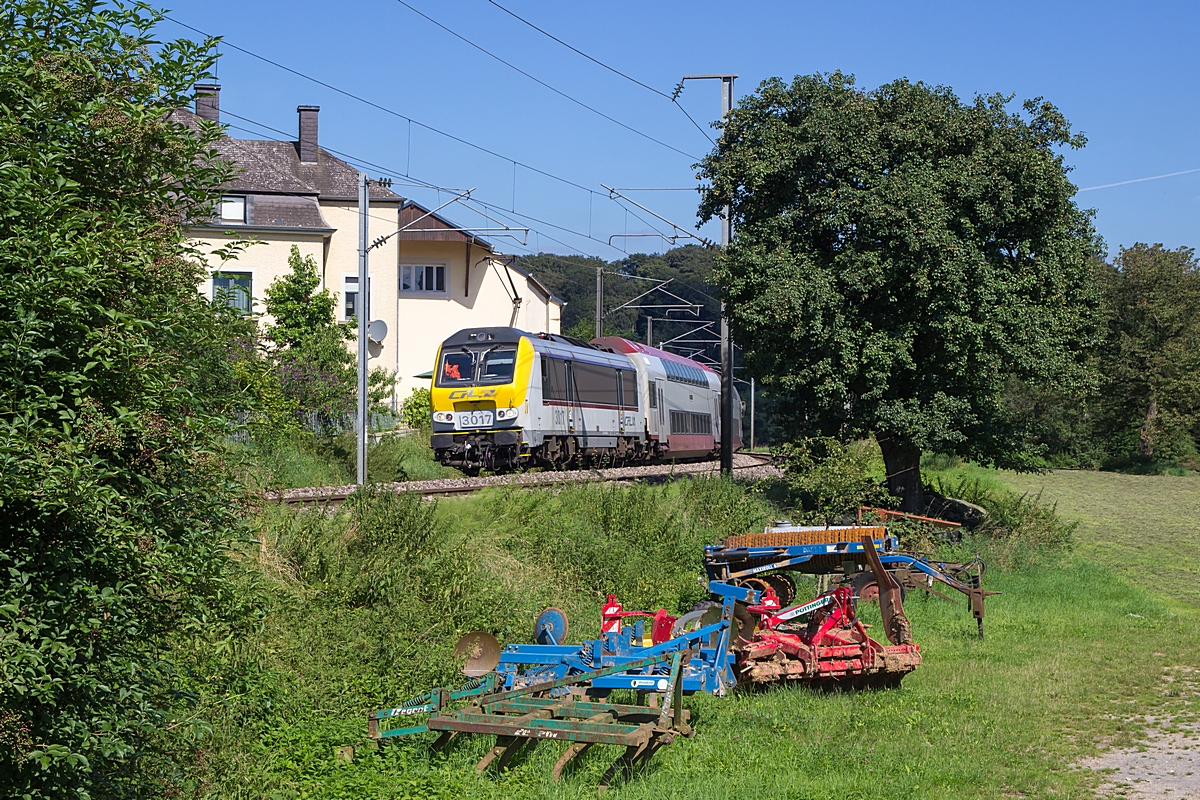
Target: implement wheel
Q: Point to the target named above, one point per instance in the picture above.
(867, 590)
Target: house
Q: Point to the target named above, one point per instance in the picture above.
(426, 283)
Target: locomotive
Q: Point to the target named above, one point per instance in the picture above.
(503, 398)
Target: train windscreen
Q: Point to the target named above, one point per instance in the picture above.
(472, 367)
(498, 365)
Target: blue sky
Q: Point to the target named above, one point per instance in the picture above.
(1125, 74)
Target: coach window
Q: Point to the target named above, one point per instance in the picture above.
(554, 379)
(594, 383)
(653, 395)
(629, 392)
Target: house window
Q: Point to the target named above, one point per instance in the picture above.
(232, 209)
(423, 278)
(233, 288)
(350, 299)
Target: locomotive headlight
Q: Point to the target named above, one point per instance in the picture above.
(443, 416)
(506, 413)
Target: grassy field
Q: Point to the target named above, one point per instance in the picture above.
(1075, 655)
(1144, 527)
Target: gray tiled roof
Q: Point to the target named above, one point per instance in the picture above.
(270, 167)
(285, 210)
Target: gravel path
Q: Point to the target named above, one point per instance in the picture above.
(1167, 765)
(746, 466)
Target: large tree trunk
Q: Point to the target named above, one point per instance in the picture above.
(903, 463)
(1146, 434)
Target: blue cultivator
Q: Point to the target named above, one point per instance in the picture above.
(527, 693)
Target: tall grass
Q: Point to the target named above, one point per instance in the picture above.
(299, 460)
(1019, 529)
(367, 600)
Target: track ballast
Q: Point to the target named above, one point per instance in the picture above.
(745, 465)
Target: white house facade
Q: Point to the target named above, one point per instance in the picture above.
(427, 282)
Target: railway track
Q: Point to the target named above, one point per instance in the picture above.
(746, 465)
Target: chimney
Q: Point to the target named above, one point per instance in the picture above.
(308, 133)
(208, 101)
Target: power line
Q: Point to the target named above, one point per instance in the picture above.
(614, 70)
(411, 121)
(467, 202)
(541, 82)
(385, 109)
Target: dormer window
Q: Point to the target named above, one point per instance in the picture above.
(232, 209)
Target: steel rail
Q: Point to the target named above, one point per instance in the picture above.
(335, 495)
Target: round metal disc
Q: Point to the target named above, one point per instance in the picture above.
(551, 623)
(743, 625)
(784, 586)
(477, 653)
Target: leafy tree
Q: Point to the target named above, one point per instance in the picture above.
(1150, 399)
(418, 409)
(298, 308)
(898, 256)
(316, 369)
(830, 479)
(115, 387)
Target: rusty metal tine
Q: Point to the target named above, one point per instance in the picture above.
(623, 763)
(502, 744)
(512, 750)
(644, 757)
(673, 703)
(575, 749)
(442, 740)
(895, 624)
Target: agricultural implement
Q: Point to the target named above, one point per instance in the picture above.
(768, 559)
(550, 690)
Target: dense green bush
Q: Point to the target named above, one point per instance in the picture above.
(829, 480)
(115, 388)
(1018, 528)
(417, 409)
(307, 346)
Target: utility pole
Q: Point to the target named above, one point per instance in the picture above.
(726, 346)
(364, 203)
(650, 331)
(752, 413)
(599, 302)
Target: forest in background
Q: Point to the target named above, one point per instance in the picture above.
(1142, 408)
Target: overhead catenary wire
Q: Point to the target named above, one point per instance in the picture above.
(674, 100)
(467, 202)
(542, 83)
(386, 110)
(406, 173)
(354, 161)
(425, 185)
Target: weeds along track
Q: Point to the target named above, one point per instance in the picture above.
(751, 466)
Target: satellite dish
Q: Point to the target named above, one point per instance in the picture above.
(377, 330)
